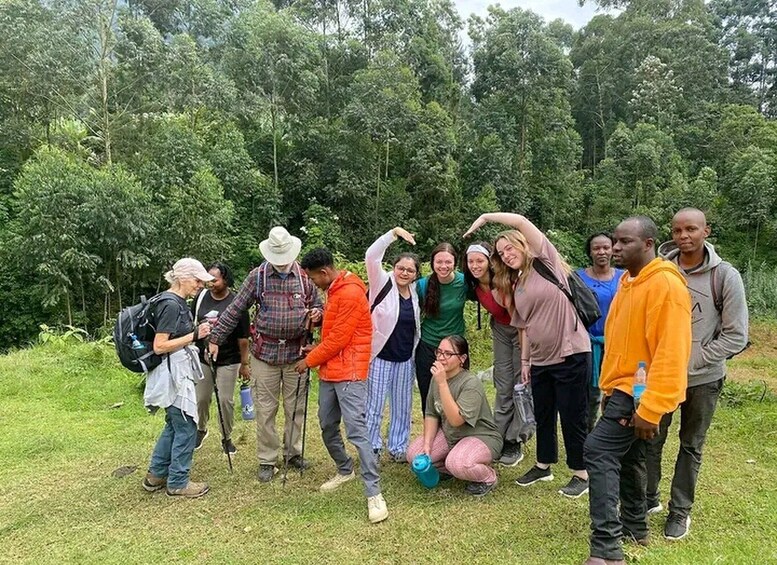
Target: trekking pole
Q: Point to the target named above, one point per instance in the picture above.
(212, 365)
(294, 418)
(291, 433)
(305, 421)
(308, 340)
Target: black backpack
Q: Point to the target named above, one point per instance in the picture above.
(581, 297)
(133, 335)
(381, 295)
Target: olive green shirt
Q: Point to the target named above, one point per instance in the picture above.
(468, 393)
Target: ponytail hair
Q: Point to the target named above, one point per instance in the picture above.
(431, 305)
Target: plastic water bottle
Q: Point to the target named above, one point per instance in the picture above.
(640, 382)
(136, 344)
(427, 474)
(523, 403)
(247, 403)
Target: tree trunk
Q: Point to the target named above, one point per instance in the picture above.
(274, 145)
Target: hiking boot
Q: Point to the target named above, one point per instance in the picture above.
(400, 457)
(153, 484)
(337, 481)
(480, 489)
(266, 473)
(376, 508)
(191, 490)
(201, 435)
(600, 561)
(655, 508)
(575, 488)
(677, 526)
(512, 454)
(229, 447)
(299, 463)
(534, 475)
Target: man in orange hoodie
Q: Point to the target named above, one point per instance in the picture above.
(343, 359)
(649, 321)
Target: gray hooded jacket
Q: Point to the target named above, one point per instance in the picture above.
(716, 335)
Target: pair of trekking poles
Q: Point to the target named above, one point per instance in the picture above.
(212, 365)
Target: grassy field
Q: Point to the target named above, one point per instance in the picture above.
(59, 502)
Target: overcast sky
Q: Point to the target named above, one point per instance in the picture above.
(568, 10)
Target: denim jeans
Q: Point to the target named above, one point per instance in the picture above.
(695, 418)
(615, 460)
(172, 456)
(347, 401)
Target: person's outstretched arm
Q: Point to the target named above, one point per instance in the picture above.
(533, 235)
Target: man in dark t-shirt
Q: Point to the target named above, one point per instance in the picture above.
(232, 359)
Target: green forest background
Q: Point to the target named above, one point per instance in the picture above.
(133, 133)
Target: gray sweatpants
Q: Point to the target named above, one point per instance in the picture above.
(507, 373)
(347, 401)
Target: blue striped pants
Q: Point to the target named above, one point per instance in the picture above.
(396, 380)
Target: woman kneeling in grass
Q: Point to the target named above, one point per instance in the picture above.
(460, 436)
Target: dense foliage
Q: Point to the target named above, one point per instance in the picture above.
(135, 132)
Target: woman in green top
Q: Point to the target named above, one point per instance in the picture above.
(460, 436)
(442, 296)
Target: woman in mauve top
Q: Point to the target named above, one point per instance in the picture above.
(479, 275)
(555, 348)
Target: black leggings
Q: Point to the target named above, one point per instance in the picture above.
(424, 359)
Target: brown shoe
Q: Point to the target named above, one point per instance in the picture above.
(628, 537)
(191, 490)
(600, 561)
(153, 484)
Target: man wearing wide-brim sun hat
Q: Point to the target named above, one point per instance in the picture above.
(286, 300)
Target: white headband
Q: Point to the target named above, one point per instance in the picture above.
(478, 249)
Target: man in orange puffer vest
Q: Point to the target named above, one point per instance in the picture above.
(343, 359)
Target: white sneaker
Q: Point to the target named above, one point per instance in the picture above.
(656, 509)
(335, 482)
(376, 507)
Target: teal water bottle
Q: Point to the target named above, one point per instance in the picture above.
(427, 473)
(640, 382)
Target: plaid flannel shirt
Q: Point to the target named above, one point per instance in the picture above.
(280, 313)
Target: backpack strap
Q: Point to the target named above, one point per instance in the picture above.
(200, 298)
(381, 295)
(261, 282)
(546, 273)
(716, 289)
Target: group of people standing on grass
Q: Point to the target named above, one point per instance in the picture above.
(375, 342)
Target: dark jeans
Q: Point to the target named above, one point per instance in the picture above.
(173, 452)
(695, 418)
(424, 358)
(615, 460)
(562, 389)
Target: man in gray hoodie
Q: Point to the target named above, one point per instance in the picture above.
(720, 328)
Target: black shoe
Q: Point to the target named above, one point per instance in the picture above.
(229, 447)
(677, 526)
(512, 454)
(266, 473)
(200, 438)
(629, 537)
(480, 489)
(534, 475)
(575, 488)
(298, 463)
(445, 477)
